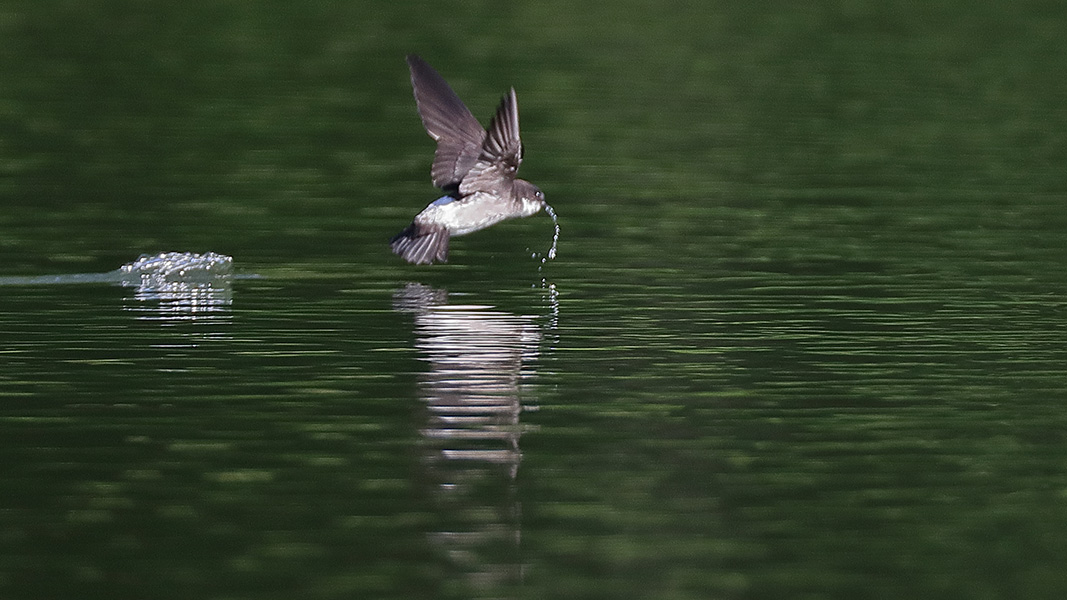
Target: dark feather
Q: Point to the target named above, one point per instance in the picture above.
(502, 143)
(501, 154)
(459, 136)
(421, 245)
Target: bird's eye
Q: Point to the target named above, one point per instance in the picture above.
(540, 195)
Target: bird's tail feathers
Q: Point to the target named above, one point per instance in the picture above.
(421, 245)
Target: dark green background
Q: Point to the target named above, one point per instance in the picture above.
(805, 336)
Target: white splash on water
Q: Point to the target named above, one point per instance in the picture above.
(181, 282)
(168, 269)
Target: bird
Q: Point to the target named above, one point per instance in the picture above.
(474, 167)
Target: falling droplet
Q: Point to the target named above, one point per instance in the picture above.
(555, 236)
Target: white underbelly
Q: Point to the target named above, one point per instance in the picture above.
(466, 215)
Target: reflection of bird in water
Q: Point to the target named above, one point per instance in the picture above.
(476, 359)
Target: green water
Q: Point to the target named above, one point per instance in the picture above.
(804, 337)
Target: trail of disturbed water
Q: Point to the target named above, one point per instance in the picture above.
(163, 270)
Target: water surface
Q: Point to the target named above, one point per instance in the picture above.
(803, 336)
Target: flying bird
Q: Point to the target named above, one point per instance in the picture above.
(475, 168)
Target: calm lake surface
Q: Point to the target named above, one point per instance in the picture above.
(805, 335)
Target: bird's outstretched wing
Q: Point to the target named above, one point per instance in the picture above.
(460, 138)
(500, 155)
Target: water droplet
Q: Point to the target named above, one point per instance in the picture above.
(555, 236)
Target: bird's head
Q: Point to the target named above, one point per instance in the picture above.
(531, 196)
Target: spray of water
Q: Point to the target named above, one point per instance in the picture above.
(555, 236)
